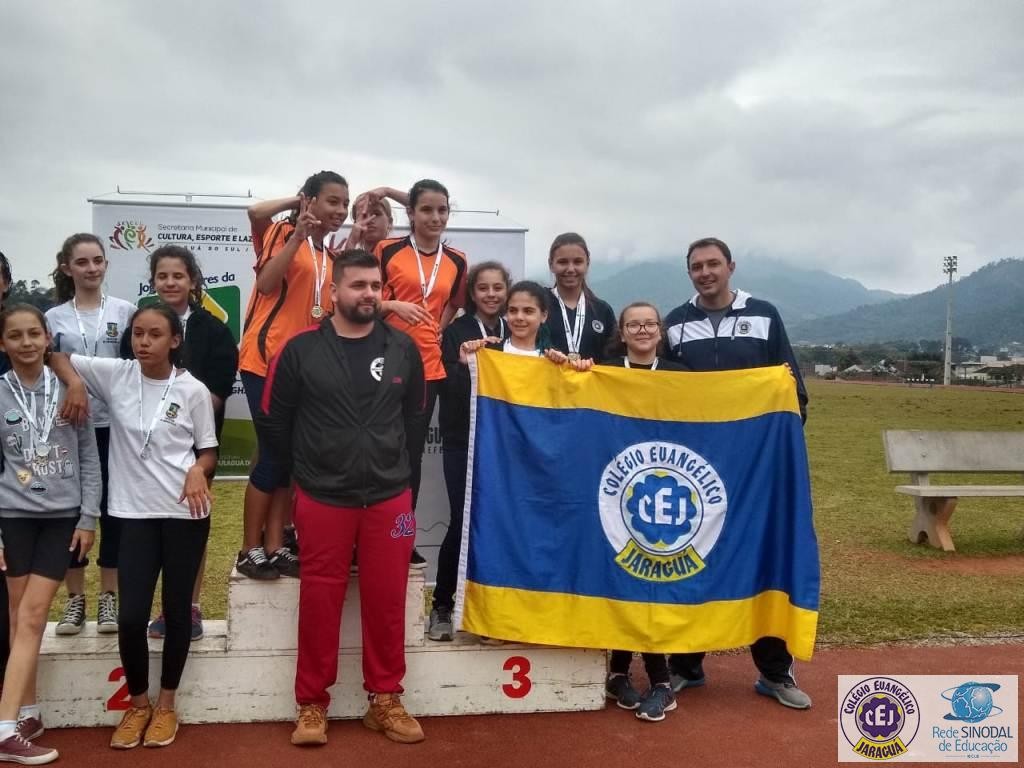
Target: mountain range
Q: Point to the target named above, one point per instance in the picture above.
(822, 308)
(988, 310)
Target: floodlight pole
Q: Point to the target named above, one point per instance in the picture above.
(949, 268)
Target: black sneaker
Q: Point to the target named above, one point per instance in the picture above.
(255, 565)
(73, 620)
(291, 540)
(618, 689)
(416, 560)
(285, 563)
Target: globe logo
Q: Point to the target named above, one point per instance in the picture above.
(880, 717)
(971, 702)
(660, 512)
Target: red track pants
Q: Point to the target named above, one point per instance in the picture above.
(384, 534)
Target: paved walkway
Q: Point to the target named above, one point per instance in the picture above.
(723, 724)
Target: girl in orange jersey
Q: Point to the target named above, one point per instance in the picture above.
(292, 292)
(424, 286)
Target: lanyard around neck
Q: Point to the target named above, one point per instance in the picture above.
(81, 326)
(39, 429)
(483, 330)
(144, 453)
(426, 288)
(319, 274)
(573, 335)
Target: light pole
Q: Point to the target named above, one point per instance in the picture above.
(949, 268)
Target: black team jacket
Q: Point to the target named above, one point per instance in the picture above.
(338, 454)
(456, 387)
(751, 335)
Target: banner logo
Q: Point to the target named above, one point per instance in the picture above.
(879, 717)
(662, 509)
(130, 236)
(971, 702)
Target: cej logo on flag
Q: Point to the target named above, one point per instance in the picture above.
(662, 509)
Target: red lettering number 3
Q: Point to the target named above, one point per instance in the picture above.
(521, 684)
(121, 700)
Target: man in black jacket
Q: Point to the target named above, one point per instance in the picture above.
(338, 403)
(720, 329)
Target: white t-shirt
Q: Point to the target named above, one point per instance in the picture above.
(143, 488)
(67, 338)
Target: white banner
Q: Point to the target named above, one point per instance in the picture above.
(220, 237)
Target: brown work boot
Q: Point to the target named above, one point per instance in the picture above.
(133, 724)
(310, 726)
(162, 728)
(387, 715)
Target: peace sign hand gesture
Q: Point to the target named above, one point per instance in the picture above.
(306, 222)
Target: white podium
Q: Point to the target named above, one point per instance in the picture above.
(243, 670)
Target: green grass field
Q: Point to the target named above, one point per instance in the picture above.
(876, 585)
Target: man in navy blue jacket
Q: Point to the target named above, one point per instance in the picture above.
(721, 329)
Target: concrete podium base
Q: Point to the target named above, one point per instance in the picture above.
(243, 670)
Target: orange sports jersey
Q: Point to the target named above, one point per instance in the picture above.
(272, 319)
(402, 283)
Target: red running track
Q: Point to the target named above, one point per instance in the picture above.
(724, 724)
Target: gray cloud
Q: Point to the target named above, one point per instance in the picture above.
(866, 138)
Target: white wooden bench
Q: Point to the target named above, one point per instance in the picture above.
(920, 453)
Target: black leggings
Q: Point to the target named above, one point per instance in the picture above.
(771, 657)
(455, 465)
(417, 439)
(654, 663)
(175, 548)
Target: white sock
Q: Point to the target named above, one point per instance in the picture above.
(7, 728)
(196, 606)
(29, 710)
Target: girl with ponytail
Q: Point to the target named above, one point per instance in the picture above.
(91, 323)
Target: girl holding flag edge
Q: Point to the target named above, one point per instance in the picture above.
(637, 346)
(488, 290)
(579, 323)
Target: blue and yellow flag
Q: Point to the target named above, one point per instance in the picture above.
(645, 510)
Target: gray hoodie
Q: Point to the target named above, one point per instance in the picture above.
(65, 484)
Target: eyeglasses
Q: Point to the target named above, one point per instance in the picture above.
(650, 326)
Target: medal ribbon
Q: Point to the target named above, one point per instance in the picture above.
(426, 288)
(574, 335)
(319, 271)
(483, 331)
(81, 327)
(156, 413)
(40, 430)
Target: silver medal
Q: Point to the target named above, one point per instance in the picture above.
(42, 450)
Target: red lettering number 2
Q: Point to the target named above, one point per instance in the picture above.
(521, 684)
(121, 700)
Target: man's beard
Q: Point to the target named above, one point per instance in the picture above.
(357, 314)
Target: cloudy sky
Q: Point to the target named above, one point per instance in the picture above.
(869, 138)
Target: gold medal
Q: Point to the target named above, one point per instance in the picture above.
(317, 312)
(573, 356)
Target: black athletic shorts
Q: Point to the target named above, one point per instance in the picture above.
(39, 546)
